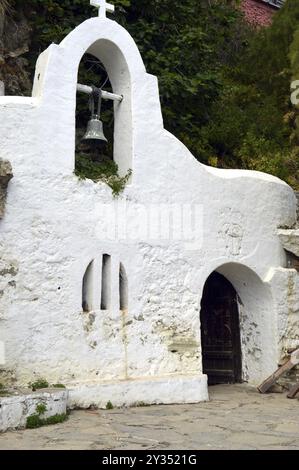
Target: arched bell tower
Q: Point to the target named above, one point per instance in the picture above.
(56, 87)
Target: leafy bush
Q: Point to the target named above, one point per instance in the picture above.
(58, 386)
(36, 420)
(39, 384)
(33, 421)
(3, 391)
(224, 86)
(41, 408)
(105, 171)
(56, 419)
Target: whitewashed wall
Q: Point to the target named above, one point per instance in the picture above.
(53, 229)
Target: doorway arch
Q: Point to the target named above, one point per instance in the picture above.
(220, 331)
(257, 320)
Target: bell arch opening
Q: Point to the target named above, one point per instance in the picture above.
(94, 120)
(104, 126)
(246, 306)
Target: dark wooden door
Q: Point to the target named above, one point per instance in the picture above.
(220, 331)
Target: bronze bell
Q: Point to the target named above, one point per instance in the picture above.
(95, 130)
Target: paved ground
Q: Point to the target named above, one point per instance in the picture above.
(237, 417)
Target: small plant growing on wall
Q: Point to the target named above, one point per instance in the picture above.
(58, 386)
(105, 171)
(38, 384)
(3, 391)
(37, 419)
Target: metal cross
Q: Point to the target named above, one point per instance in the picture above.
(103, 7)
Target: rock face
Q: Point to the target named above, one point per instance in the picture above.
(14, 43)
(5, 177)
(290, 240)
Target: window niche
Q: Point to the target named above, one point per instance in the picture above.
(95, 159)
(87, 289)
(123, 288)
(106, 282)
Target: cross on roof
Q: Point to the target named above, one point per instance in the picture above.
(103, 7)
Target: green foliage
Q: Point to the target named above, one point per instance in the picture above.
(38, 384)
(4, 7)
(109, 406)
(253, 125)
(3, 391)
(94, 170)
(58, 386)
(41, 408)
(104, 171)
(183, 43)
(56, 419)
(140, 404)
(36, 420)
(224, 86)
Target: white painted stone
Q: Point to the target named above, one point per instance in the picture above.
(285, 287)
(290, 240)
(163, 390)
(2, 353)
(55, 225)
(15, 410)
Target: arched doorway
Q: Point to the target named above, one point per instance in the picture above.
(220, 331)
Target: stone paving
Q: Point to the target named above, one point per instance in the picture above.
(237, 417)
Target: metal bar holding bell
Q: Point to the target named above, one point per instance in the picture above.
(105, 94)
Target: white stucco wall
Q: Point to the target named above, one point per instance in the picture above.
(54, 227)
(15, 409)
(285, 285)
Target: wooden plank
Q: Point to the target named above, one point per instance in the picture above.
(293, 391)
(292, 362)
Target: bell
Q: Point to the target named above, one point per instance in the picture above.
(95, 130)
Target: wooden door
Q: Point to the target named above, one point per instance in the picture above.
(220, 331)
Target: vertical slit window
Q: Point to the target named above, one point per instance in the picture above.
(123, 288)
(106, 282)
